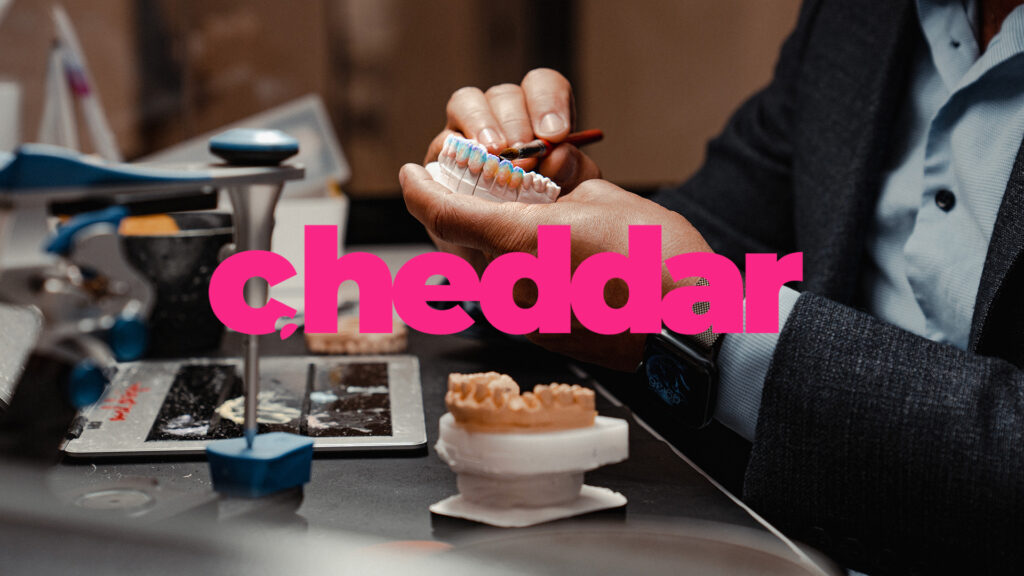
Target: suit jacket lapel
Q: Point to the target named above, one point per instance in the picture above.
(997, 324)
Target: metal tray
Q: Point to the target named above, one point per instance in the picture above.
(342, 402)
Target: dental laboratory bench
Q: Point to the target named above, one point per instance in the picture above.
(412, 458)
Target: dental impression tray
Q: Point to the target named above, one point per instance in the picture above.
(465, 167)
(520, 458)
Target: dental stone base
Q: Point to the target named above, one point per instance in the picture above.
(520, 479)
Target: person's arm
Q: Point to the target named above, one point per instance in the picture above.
(875, 441)
(876, 445)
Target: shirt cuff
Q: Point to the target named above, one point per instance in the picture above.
(742, 366)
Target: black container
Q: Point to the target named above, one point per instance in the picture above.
(179, 267)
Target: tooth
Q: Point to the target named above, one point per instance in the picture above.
(462, 150)
(448, 143)
(530, 401)
(487, 174)
(515, 181)
(480, 392)
(499, 395)
(449, 161)
(553, 191)
(563, 395)
(501, 178)
(474, 163)
(543, 392)
(579, 394)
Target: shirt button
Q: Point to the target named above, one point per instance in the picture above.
(945, 200)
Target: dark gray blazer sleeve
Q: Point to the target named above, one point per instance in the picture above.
(873, 439)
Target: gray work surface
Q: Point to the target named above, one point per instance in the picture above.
(388, 494)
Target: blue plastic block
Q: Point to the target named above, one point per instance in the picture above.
(277, 461)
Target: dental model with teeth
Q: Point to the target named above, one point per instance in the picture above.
(465, 167)
(520, 457)
(490, 402)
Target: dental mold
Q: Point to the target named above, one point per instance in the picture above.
(465, 167)
(491, 402)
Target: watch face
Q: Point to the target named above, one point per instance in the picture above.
(665, 377)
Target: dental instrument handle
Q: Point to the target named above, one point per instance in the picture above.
(540, 147)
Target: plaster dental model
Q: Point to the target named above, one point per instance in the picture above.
(520, 457)
(348, 339)
(491, 402)
(465, 167)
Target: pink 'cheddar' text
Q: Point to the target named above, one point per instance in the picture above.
(561, 292)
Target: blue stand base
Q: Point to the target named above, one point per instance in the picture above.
(277, 461)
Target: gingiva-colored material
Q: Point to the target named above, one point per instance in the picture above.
(491, 402)
(465, 167)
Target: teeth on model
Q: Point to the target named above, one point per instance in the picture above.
(489, 171)
(475, 163)
(500, 188)
(465, 167)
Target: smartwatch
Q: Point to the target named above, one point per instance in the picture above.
(682, 370)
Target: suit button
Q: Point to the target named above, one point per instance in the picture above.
(945, 200)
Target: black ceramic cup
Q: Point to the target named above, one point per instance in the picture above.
(179, 267)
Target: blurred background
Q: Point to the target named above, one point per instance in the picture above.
(660, 77)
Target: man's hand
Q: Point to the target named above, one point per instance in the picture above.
(541, 107)
(599, 214)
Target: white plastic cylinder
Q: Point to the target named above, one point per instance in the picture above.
(503, 470)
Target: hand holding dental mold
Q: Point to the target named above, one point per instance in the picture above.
(599, 214)
(508, 114)
(541, 106)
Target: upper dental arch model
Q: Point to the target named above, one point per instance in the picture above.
(465, 167)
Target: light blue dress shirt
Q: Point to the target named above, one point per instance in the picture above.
(958, 133)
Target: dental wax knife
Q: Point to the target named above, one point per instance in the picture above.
(540, 147)
(253, 208)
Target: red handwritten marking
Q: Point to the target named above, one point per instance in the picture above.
(123, 405)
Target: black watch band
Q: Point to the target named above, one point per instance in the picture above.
(682, 370)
